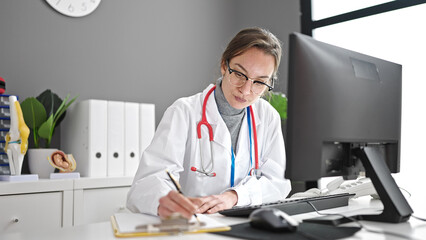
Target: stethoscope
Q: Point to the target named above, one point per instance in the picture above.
(207, 170)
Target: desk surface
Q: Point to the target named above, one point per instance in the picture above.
(414, 228)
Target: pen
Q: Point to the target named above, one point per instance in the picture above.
(177, 185)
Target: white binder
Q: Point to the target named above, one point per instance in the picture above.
(115, 146)
(131, 138)
(146, 125)
(84, 134)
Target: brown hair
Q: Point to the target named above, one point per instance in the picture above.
(254, 37)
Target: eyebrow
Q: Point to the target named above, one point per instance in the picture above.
(239, 65)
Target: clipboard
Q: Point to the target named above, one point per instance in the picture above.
(128, 225)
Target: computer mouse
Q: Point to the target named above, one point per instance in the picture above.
(272, 219)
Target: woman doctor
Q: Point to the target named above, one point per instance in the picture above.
(244, 162)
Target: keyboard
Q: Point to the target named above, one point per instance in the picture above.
(293, 206)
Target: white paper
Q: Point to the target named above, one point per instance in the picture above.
(127, 222)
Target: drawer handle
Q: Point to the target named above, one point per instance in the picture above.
(15, 219)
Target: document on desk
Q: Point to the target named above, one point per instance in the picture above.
(133, 225)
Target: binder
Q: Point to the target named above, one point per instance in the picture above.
(107, 137)
(84, 134)
(131, 138)
(146, 125)
(115, 142)
(128, 225)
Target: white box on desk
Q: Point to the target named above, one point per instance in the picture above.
(84, 134)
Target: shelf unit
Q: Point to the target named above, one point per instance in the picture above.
(61, 203)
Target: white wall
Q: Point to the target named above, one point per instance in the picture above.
(152, 51)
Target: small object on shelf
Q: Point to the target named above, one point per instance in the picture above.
(66, 165)
(64, 162)
(17, 138)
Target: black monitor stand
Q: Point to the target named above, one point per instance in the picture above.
(395, 207)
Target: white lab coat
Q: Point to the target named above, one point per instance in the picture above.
(175, 147)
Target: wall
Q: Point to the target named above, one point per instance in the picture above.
(152, 51)
(280, 17)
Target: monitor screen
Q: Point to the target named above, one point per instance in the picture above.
(344, 116)
(337, 100)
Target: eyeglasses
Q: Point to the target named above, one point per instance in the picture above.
(238, 79)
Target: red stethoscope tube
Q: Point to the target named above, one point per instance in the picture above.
(209, 172)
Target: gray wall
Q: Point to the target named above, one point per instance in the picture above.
(152, 51)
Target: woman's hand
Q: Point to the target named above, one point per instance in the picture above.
(175, 202)
(215, 203)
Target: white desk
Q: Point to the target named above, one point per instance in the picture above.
(414, 228)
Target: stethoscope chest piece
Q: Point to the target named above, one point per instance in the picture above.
(257, 173)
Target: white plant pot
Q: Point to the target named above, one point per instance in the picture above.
(38, 162)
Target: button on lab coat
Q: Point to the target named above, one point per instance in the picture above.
(175, 147)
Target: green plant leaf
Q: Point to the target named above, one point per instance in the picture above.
(62, 109)
(33, 112)
(46, 128)
(51, 101)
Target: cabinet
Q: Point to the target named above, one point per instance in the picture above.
(60, 203)
(40, 204)
(95, 200)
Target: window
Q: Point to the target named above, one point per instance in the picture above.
(397, 36)
(327, 8)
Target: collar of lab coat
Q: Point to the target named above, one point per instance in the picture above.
(216, 121)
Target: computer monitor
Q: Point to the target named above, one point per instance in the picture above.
(344, 116)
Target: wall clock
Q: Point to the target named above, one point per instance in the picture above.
(74, 8)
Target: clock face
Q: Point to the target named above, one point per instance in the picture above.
(74, 8)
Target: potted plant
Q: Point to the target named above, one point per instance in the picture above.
(43, 114)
